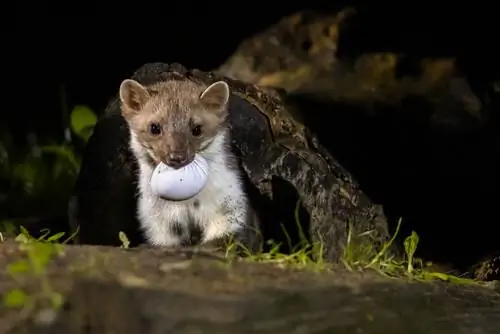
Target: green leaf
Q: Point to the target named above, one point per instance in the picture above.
(15, 298)
(56, 299)
(87, 132)
(24, 230)
(82, 118)
(434, 275)
(56, 236)
(123, 238)
(411, 244)
(22, 238)
(18, 267)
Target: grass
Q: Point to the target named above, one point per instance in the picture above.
(302, 258)
(303, 255)
(38, 253)
(360, 253)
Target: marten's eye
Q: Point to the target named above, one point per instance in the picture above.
(196, 130)
(155, 128)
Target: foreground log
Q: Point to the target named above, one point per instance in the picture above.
(113, 290)
(282, 162)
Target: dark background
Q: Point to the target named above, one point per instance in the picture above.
(91, 48)
(86, 49)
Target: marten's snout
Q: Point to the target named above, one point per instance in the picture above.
(177, 159)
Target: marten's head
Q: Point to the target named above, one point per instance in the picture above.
(171, 121)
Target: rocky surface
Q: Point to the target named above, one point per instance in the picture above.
(282, 162)
(116, 290)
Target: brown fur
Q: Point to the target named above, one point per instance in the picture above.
(177, 106)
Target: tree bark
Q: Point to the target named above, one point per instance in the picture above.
(112, 290)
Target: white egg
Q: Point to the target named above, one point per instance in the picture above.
(180, 184)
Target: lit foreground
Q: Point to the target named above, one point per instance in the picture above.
(116, 290)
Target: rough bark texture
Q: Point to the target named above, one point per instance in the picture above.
(488, 269)
(281, 159)
(419, 133)
(300, 54)
(294, 49)
(113, 290)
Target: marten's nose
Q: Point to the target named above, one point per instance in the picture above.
(176, 159)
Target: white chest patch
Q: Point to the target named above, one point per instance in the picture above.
(218, 210)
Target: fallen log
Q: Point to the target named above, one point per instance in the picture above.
(282, 162)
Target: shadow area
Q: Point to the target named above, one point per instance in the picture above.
(275, 200)
(444, 185)
(283, 220)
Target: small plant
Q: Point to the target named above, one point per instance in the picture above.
(39, 252)
(123, 239)
(410, 245)
(83, 120)
(38, 256)
(302, 255)
(25, 237)
(362, 255)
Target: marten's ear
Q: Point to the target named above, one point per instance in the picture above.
(133, 95)
(216, 96)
